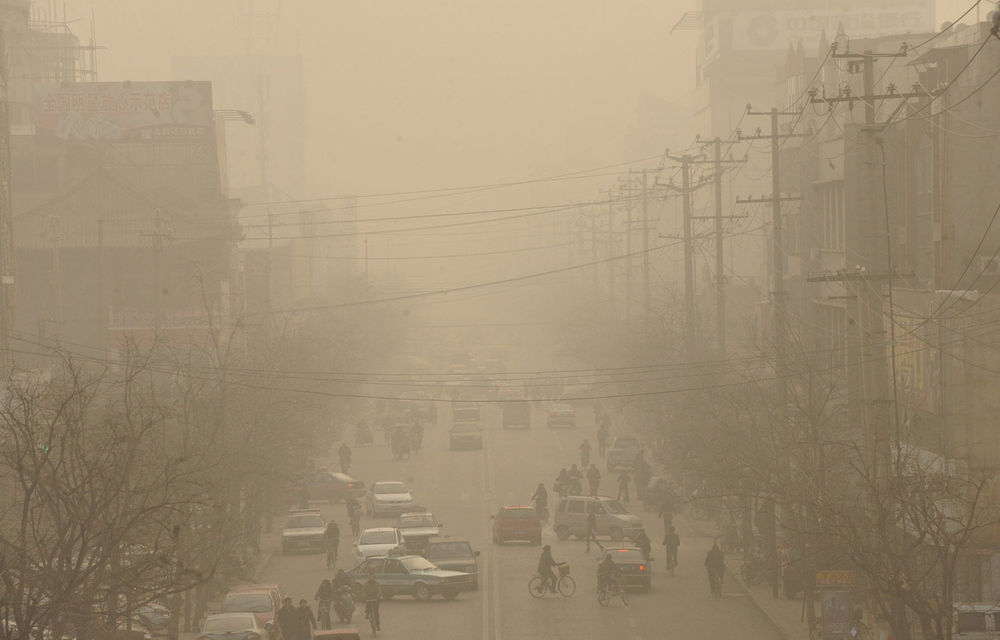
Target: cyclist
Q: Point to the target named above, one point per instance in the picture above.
(715, 563)
(324, 596)
(373, 594)
(332, 539)
(545, 564)
(541, 500)
(608, 571)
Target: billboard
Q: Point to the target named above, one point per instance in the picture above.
(777, 29)
(124, 111)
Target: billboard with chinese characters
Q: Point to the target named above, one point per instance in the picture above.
(777, 29)
(124, 111)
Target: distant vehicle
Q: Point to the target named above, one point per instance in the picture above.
(465, 435)
(304, 529)
(516, 414)
(453, 554)
(378, 541)
(562, 415)
(412, 575)
(334, 486)
(259, 601)
(235, 626)
(416, 528)
(388, 498)
(153, 616)
(516, 523)
(465, 412)
(624, 453)
(635, 570)
(613, 519)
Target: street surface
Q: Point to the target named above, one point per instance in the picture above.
(463, 488)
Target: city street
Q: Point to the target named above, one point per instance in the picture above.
(462, 488)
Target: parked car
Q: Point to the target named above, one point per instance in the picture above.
(154, 617)
(416, 528)
(257, 600)
(412, 575)
(333, 486)
(613, 519)
(562, 415)
(634, 568)
(304, 529)
(453, 554)
(624, 453)
(378, 541)
(516, 523)
(388, 498)
(235, 626)
(465, 435)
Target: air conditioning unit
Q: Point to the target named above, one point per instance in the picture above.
(989, 266)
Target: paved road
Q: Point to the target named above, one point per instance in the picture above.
(462, 488)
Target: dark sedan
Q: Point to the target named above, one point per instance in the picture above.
(635, 569)
(334, 486)
(412, 575)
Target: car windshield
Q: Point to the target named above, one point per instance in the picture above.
(449, 550)
(250, 602)
(391, 487)
(415, 563)
(626, 555)
(417, 521)
(521, 514)
(302, 522)
(378, 537)
(228, 624)
(613, 506)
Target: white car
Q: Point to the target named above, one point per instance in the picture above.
(304, 528)
(376, 542)
(388, 498)
(416, 527)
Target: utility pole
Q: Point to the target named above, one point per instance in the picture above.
(611, 252)
(628, 247)
(647, 320)
(689, 310)
(157, 236)
(55, 283)
(593, 253)
(102, 327)
(7, 265)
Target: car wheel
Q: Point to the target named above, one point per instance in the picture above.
(421, 591)
(617, 534)
(562, 532)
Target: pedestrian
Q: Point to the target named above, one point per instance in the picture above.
(305, 621)
(644, 543)
(623, 480)
(331, 538)
(715, 563)
(287, 620)
(345, 457)
(602, 439)
(592, 530)
(594, 479)
(671, 541)
(324, 599)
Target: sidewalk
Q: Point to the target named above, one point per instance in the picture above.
(786, 616)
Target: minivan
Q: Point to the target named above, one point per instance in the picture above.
(613, 519)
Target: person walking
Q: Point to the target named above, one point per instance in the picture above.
(592, 531)
(645, 544)
(585, 450)
(671, 541)
(324, 600)
(623, 480)
(331, 538)
(305, 621)
(715, 563)
(287, 620)
(602, 439)
(344, 453)
(594, 479)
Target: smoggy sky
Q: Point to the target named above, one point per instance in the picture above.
(406, 94)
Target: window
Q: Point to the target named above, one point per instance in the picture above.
(831, 197)
(393, 566)
(595, 507)
(372, 565)
(575, 506)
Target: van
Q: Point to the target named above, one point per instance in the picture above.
(613, 519)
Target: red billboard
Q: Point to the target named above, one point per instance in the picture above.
(124, 111)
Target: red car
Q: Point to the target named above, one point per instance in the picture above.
(516, 523)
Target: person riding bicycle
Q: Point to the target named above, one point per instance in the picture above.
(373, 594)
(331, 538)
(608, 571)
(324, 598)
(715, 563)
(545, 564)
(541, 499)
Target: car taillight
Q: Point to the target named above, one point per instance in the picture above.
(642, 567)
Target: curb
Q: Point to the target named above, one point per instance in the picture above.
(779, 628)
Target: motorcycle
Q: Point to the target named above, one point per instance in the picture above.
(343, 604)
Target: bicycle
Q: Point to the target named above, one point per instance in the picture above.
(373, 615)
(565, 584)
(611, 589)
(331, 554)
